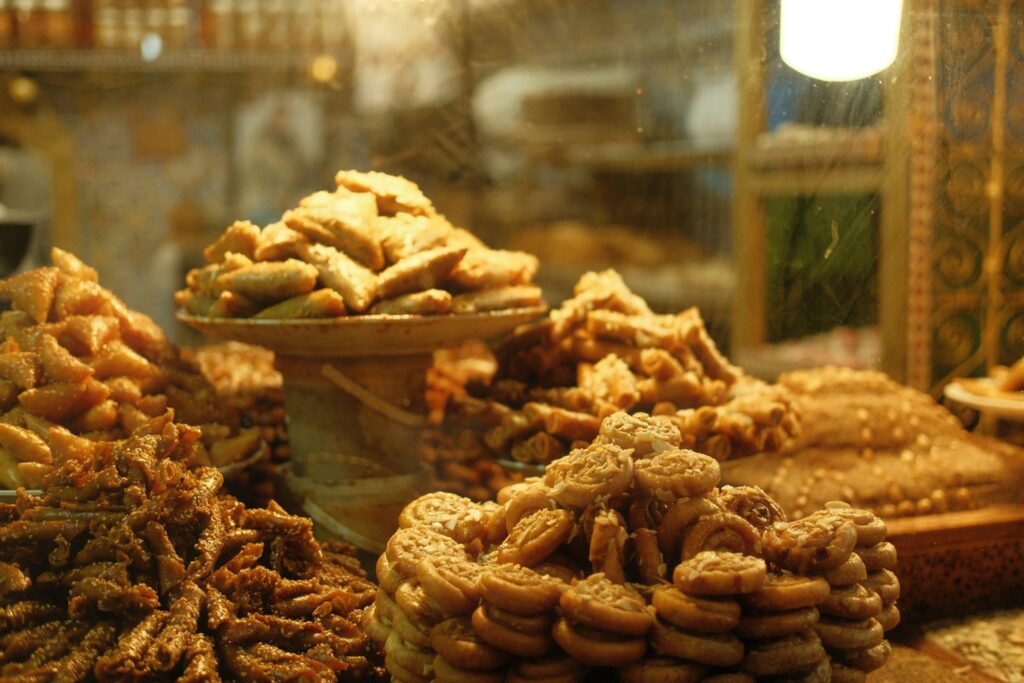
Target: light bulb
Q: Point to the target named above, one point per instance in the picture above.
(839, 40)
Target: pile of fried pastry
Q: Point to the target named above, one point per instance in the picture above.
(374, 245)
(73, 355)
(133, 565)
(601, 351)
(628, 561)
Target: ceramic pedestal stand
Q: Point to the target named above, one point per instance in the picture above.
(354, 394)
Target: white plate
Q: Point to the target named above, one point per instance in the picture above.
(1005, 408)
(364, 335)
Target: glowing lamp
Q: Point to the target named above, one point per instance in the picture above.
(840, 40)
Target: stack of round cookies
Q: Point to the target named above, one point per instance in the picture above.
(626, 560)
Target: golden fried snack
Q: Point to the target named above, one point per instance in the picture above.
(650, 563)
(822, 540)
(541, 448)
(764, 625)
(878, 557)
(458, 644)
(452, 585)
(497, 299)
(69, 264)
(600, 471)
(24, 444)
(567, 424)
(866, 660)
(852, 602)
(407, 547)
(322, 303)
(32, 292)
(639, 431)
(849, 635)
(787, 592)
(705, 648)
(344, 220)
(445, 672)
(600, 603)
(423, 270)
(514, 634)
(269, 281)
(394, 193)
(848, 573)
(720, 573)
(662, 670)
(404, 235)
(889, 617)
(491, 268)
(20, 368)
(721, 531)
(446, 513)
(597, 648)
(427, 302)
(241, 237)
(679, 518)
(609, 380)
(871, 529)
(688, 612)
(678, 473)
(885, 584)
(607, 550)
(356, 284)
(752, 504)
(793, 654)
(277, 242)
(520, 590)
(536, 536)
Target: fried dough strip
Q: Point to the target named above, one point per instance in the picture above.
(208, 547)
(77, 664)
(356, 284)
(201, 661)
(126, 657)
(169, 646)
(19, 644)
(169, 566)
(12, 579)
(108, 596)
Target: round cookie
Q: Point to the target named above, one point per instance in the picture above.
(661, 670)
(695, 614)
(849, 635)
(885, 584)
(536, 536)
(520, 590)
(714, 573)
(599, 603)
(764, 625)
(852, 602)
(782, 656)
(705, 648)
(407, 547)
(599, 470)
(819, 541)
(680, 473)
(752, 504)
(459, 645)
(878, 557)
(519, 642)
(721, 532)
(597, 648)
(444, 672)
(447, 513)
(781, 592)
(848, 573)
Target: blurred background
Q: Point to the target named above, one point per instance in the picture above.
(873, 222)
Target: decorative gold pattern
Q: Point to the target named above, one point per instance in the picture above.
(976, 232)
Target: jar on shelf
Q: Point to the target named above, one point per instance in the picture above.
(133, 21)
(219, 25)
(179, 23)
(58, 26)
(106, 24)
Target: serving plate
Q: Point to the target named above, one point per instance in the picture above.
(364, 335)
(1006, 408)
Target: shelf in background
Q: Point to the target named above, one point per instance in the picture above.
(797, 146)
(171, 61)
(623, 156)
